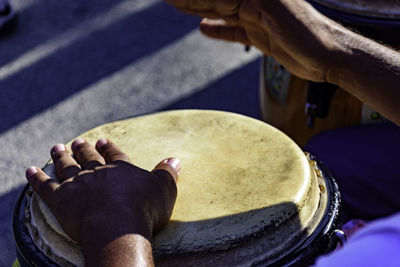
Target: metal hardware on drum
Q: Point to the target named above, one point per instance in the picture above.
(340, 236)
(319, 97)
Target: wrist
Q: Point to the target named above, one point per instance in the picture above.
(116, 240)
(125, 250)
(101, 229)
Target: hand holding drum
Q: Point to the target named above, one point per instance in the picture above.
(135, 203)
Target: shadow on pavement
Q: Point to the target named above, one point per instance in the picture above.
(44, 19)
(236, 92)
(100, 54)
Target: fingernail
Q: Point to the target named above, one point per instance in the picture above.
(175, 164)
(58, 148)
(30, 172)
(101, 142)
(77, 141)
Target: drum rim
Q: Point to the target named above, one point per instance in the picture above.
(356, 13)
(304, 254)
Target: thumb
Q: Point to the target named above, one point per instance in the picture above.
(167, 172)
(170, 165)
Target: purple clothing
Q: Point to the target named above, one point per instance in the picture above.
(364, 160)
(378, 244)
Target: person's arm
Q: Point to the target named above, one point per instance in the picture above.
(370, 72)
(110, 207)
(308, 44)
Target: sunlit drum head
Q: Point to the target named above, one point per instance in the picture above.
(241, 179)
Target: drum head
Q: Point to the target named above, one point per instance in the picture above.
(241, 179)
(385, 9)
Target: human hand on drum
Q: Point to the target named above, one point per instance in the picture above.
(104, 202)
(291, 31)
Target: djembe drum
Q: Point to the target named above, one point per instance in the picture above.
(302, 109)
(247, 195)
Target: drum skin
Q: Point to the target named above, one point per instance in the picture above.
(308, 236)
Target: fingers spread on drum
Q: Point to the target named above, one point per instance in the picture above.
(86, 155)
(110, 152)
(65, 164)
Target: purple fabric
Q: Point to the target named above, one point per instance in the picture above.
(365, 163)
(378, 244)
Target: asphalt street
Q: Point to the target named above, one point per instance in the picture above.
(72, 65)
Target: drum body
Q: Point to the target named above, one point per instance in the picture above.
(283, 99)
(258, 200)
(287, 101)
(379, 20)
